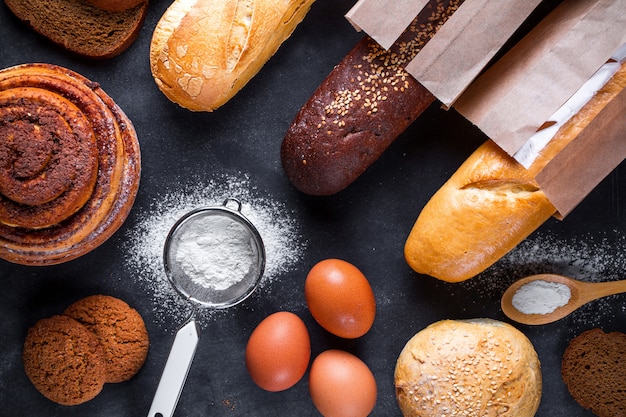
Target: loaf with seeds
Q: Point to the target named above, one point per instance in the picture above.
(361, 107)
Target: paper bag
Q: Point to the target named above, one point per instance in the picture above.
(513, 98)
(521, 92)
(459, 51)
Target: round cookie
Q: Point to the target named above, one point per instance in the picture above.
(120, 330)
(593, 368)
(64, 360)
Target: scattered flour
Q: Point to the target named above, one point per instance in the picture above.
(144, 242)
(592, 258)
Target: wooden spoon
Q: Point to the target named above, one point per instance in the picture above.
(581, 294)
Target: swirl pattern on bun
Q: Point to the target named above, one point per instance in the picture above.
(69, 165)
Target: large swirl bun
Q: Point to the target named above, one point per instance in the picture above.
(69, 165)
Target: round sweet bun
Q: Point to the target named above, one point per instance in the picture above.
(69, 173)
(478, 367)
(115, 5)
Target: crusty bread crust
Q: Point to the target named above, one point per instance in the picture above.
(476, 367)
(204, 51)
(491, 203)
(80, 27)
(350, 120)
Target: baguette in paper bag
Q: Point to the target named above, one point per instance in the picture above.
(493, 202)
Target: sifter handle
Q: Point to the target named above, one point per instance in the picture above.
(176, 370)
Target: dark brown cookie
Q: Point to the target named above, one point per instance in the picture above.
(120, 330)
(593, 368)
(64, 360)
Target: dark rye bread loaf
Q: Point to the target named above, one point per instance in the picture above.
(361, 107)
(594, 370)
(81, 27)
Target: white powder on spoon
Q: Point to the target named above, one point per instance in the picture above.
(541, 297)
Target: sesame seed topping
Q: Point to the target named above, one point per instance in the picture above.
(380, 67)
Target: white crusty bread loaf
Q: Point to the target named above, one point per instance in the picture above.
(81, 27)
(491, 203)
(204, 51)
(478, 367)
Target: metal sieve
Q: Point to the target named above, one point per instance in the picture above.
(209, 231)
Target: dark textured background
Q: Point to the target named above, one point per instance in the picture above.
(366, 224)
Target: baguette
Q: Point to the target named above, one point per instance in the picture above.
(361, 107)
(492, 202)
(204, 51)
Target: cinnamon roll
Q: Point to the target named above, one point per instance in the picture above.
(69, 165)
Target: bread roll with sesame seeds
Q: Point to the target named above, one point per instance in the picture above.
(204, 51)
(361, 107)
(478, 367)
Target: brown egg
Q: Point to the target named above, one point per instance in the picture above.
(340, 298)
(341, 385)
(278, 351)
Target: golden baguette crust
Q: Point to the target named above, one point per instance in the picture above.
(491, 203)
(478, 367)
(204, 51)
(488, 206)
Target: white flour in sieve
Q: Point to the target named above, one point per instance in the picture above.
(541, 297)
(216, 253)
(143, 246)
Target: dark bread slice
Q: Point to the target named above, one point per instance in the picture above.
(594, 370)
(80, 27)
(361, 107)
